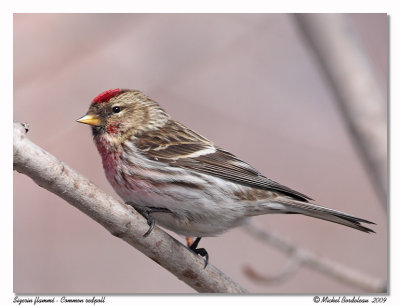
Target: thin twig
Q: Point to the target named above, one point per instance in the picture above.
(288, 270)
(118, 218)
(361, 101)
(312, 260)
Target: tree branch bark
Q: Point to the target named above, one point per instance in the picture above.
(118, 218)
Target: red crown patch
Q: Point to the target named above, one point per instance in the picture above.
(107, 95)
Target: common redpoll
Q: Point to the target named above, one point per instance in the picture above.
(186, 183)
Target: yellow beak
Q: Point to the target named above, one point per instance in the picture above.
(90, 119)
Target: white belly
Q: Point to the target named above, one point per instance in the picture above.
(194, 212)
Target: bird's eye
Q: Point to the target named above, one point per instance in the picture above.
(116, 109)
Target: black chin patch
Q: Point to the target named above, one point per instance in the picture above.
(97, 130)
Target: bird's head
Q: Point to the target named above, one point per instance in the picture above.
(118, 112)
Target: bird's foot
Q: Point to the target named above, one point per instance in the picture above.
(145, 212)
(199, 251)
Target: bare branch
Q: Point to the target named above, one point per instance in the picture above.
(119, 219)
(360, 99)
(287, 271)
(312, 260)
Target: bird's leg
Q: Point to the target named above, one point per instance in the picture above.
(189, 241)
(200, 251)
(145, 212)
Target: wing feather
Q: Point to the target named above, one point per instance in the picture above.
(178, 146)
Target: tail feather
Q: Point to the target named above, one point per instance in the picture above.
(327, 214)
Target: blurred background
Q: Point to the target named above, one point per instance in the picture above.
(249, 83)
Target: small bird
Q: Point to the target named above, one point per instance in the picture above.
(178, 178)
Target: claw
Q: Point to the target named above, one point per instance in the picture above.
(151, 223)
(199, 251)
(145, 212)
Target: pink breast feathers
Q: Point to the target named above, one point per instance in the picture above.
(125, 185)
(113, 128)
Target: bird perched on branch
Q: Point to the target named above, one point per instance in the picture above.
(178, 178)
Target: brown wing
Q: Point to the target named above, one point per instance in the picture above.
(180, 147)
